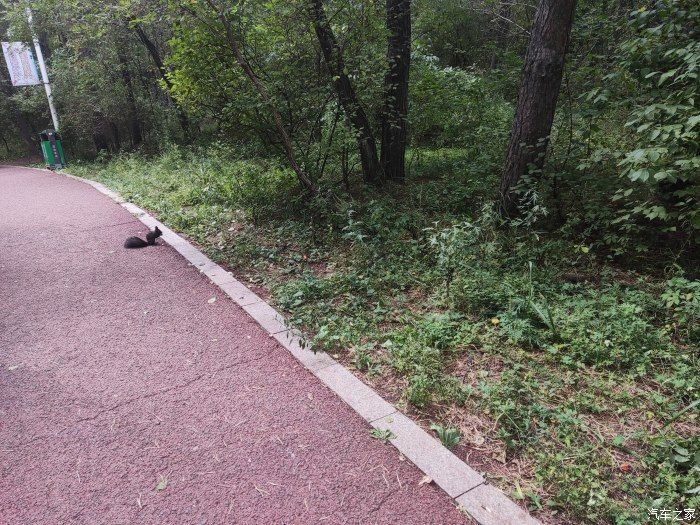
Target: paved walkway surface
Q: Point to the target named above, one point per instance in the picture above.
(126, 396)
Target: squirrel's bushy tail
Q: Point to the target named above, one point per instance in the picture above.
(136, 242)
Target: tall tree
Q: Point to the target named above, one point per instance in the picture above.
(394, 117)
(223, 15)
(155, 54)
(355, 113)
(501, 36)
(537, 99)
(132, 109)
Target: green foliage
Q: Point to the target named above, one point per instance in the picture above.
(663, 57)
(449, 437)
(600, 329)
(682, 298)
(104, 82)
(420, 352)
(513, 403)
(362, 359)
(595, 328)
(675, 463)
(476, 113)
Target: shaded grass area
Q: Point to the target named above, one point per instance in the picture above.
(569, 380)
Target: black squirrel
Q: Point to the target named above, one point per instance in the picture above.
(136, 242)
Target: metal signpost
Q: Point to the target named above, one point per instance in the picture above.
(42, 68)
(23, 72)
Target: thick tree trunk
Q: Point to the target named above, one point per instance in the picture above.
(395, 114)
(537, 99)
(371, 168)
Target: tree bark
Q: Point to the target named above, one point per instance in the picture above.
(155, 55)
(134, 121)
(537, 99)
(160, 65)
(355, 113)
(7, 147)
(395, 114)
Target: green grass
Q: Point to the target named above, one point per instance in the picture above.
(537, 353)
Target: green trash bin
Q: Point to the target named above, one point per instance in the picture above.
(52, 149)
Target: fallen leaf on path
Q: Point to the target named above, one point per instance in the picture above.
(162, 483)
(425, 480)
(261, 491)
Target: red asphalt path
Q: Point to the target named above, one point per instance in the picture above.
(127, 397)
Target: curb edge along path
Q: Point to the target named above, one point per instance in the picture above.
(483, 502)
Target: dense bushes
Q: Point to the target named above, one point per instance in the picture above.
(663, 58)
(453, 107)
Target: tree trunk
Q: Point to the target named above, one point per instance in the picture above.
(502, 25)
(25, 130)
(395, 114)
(99, 133)
(160, 65)
(371, 168)
(155, 55)
(262, 91)
(537, 99)
(134, 122)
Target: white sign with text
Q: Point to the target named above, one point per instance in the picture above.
(20, 62)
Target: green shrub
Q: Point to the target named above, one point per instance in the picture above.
(682, 299)
(512, 401)
(662, 58)
(485, 292)
(419, 390)
(601, 330)
(476, 113)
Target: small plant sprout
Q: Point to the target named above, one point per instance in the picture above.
(449, 437)
(382, 434)
(363, 361)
